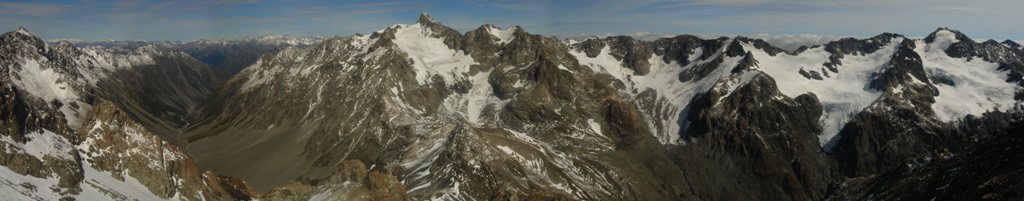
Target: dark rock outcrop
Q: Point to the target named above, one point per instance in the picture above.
(753, 139)
(989, 169)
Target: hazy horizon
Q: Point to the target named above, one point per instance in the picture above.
(232, 19)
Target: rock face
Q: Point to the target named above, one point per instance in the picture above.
(114, 143)
(159, 95)
(422, 111)
(755, 138)
(350, 181)
(986, 170)
(62, 140)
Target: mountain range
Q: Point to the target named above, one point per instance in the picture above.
(424, 112)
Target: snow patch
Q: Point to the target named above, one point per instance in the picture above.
(14, 186)
(471, 105)
(504, 36)
(259, 76)
(594, 126)
(663, 79)
(506, 149)
(96, 185)
(430, 55)
(943, 39)
(42, 144)
(47, 143)
(452, 193)
(99, 185)
(45, 84)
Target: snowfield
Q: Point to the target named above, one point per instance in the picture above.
(842, 94)
(430, 55)
(978, 85)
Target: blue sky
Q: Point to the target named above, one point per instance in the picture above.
(193, 19)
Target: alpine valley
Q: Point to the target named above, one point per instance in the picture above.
(424, 112)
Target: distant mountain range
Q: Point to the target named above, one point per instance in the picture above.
(229, 56)
(424, 112)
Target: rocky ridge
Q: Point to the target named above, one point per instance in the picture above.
(422, 111)
(435, 108)
(62, 140)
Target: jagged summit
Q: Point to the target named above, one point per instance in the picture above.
(439, 30)
(23, 30)
(1011, 44)
(425, 18)
(888, 36)
(23, 36)
(502, 35)
(492, 26)
(947, 34)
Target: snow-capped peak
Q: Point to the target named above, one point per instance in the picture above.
(947, 34)
(425, 18)
(23, 35)
(503, 35)
(430, 55)
(1011, 44)
(23, 30)
(942, 39)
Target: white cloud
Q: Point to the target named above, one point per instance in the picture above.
(648, 36)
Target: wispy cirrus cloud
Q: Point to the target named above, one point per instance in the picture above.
(958, 8)
(32, 9)
(513, 5)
